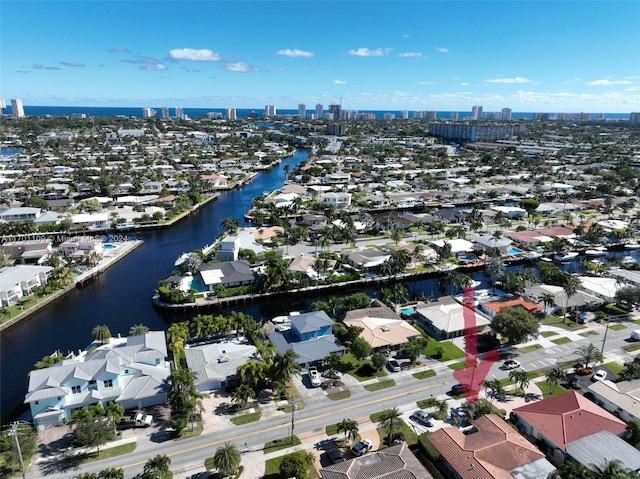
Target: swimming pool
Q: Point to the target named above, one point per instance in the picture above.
(197, 284)
(514, 251)
(408, 310)
(109, 246)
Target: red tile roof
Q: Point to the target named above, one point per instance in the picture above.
(568, 417)
(518, 302)
(490, 453)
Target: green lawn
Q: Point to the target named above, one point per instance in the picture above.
(562, 340)
(548, 334)
(246, 418)
(615, 368)
(336, 396)
(387, 383)
(331, 429)
(76, 460)
(279, 444)
(428, 373)
(272, 469)
(591, 332)
(361, 370)
(187, 433)
(631, 347)
(560, 323)
(547, 389)
(530, 348)
(410, 437)
(456, 366)
(449, 350)
(617, 327)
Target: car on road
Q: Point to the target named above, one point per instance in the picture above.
(314, 377)
(511, 364)
(458, 389)
(332, 374)
(394, 366)
(600, 375)
(361, 447)
(423, 418)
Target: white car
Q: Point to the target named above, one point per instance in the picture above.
(600, 375)
(314, 376)
(332, 374)
(362, 447)
(511, 364)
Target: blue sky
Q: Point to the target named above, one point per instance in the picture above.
(555, 56)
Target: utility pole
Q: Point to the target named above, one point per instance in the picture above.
(293, 416)
(14, 430)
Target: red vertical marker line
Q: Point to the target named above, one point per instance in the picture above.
(476, 369)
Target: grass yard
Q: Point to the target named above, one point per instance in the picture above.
(336, 396)
(530, 348)
(410, 437)
(456, 366)
(613, 367)
(387, 383)
(617, 326)
(559, 322)
(429, 373)
(562, 340)
(547, 389)
(187, 433)
(361, 370)
(448, 350)
(78, 459)
(246, 418)
(631, 347)
(279, 444)
(590, 333)
(548, 334)
(272, 469)
(331, 429)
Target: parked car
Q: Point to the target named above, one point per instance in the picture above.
(403, 354)
(362, 447)
(600, 375)
(458, 389)
(332, 374)
(314, 376)
(573, 383)
(335, 455)
(511, 364)
(394, 366)
(423, 418)
(139, 420)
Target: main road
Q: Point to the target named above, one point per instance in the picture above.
(320, 411)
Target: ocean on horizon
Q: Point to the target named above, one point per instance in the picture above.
(245, 112)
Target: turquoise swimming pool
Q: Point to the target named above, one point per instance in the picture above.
(514, 251)
(408, 310)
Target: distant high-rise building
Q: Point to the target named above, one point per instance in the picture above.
(269, 111)
(405, 114)
(231, 114)
(165, 112)
(3, 107)
(302, 110)
(599, 116)
(148, 113)
(429, 114)
(389, 116)
(180, 113)
(634, 117)
(337, 111)
(541, 117)
(214, 115)
(319, 111)
(476, 112)
(563, 116)
(454, 115)
(506, 114)
(17, 108)
(582, 116)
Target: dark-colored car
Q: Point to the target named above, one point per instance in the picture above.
(403, 354)
(335, 455)
(573, 383)
(458, 389)
(423, 418)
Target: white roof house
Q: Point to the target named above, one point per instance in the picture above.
(19, 281)
(458, 245)
(445, 318)
(604, 288)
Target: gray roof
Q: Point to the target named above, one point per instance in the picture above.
(308, 351)
(10, 276)
(218, 360)
(625, 395)
(232, 271)
(308, 322)
(594, 450)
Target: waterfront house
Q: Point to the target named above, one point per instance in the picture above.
(228, 274)
(491, 308)
(367, 258)
(310, 336)
(80, 246)
(559, 420)
(21, 214)
(31, 251)
(381, 327)
(19, 281)
(231, 245)
(444, 319)
(491, 449)
(128, 371)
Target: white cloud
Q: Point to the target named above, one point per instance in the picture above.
(295, 53)
(365, 52)
(410, 55)
(442, 50)
(509, 80)
(426, 83)
(193, 55)
(464, 84)
(239, 67)
(158, 68)
(338, 82)
(608, 82)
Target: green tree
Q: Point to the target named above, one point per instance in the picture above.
(521, 378)
(349, 427)
(360, 348)
(92, 431)
(253, 372)
(111, 473)
(555, 376)
(138, 329)
(177, 334)
(157, 467)
(390, 419)
(588, 354)
(9, 460)
(417, 346)
(378, 360)
(296, 465)
(101, 333)
(227, 459)
(285, 365)
(114, 412)
(183, 397)
(242, 395)
(515, 324)
(570, 285)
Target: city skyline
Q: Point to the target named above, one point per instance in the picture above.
(394, 55)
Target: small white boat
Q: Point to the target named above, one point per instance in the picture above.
(565, 257)
(532, 255)
(632, 245)
(596, 252)
(628, 260)
(181, 259)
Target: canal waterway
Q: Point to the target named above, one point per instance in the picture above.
(121, 296)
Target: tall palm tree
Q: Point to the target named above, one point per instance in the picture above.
(390, 419)
(521, 378)
(285, 365)
(227, 459)
(555, 376)
(111, 473)
(588, 353)
(176, 336)
(114, 412)
(101, 333)
(548, 299)
(157, 467)
(138, 329)
(252, 372)
(349, 427)
(612, 470)
(570, 285)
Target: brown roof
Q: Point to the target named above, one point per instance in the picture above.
(511, 303)
(490, 453)
(568, 417)
(396, 462)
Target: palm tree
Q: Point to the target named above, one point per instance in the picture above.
(252, 372)
(101, 333)
(349, 427)
(227, 459)
(612, 470)
(138, 329)
(397, 234)
(114, 412)
(521, 378)
(555, 376)
(570, 285)
(548, 299)
(588, 353)
(285, 365)
(176, 336)
(111, 473)
(242, 394)
(390, 419)
(157, 467)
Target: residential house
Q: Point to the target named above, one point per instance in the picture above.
(450, 215)
(215, 363)
(310, 336)
(580, 300)
(491, 449)
(338, 200)
(33, 251)
(621, 399)
(559, 420)
(304, 264)
(19, 281)
(128, 371)
(493, 307)
(605, 288)
(395, 462)
(80, 246)
(92, 221)
(228, 274)
(458, 245)
(444, 319)
(20, 214)
(231, 245)
(381, 327)
(367, 258)
(603, 447)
